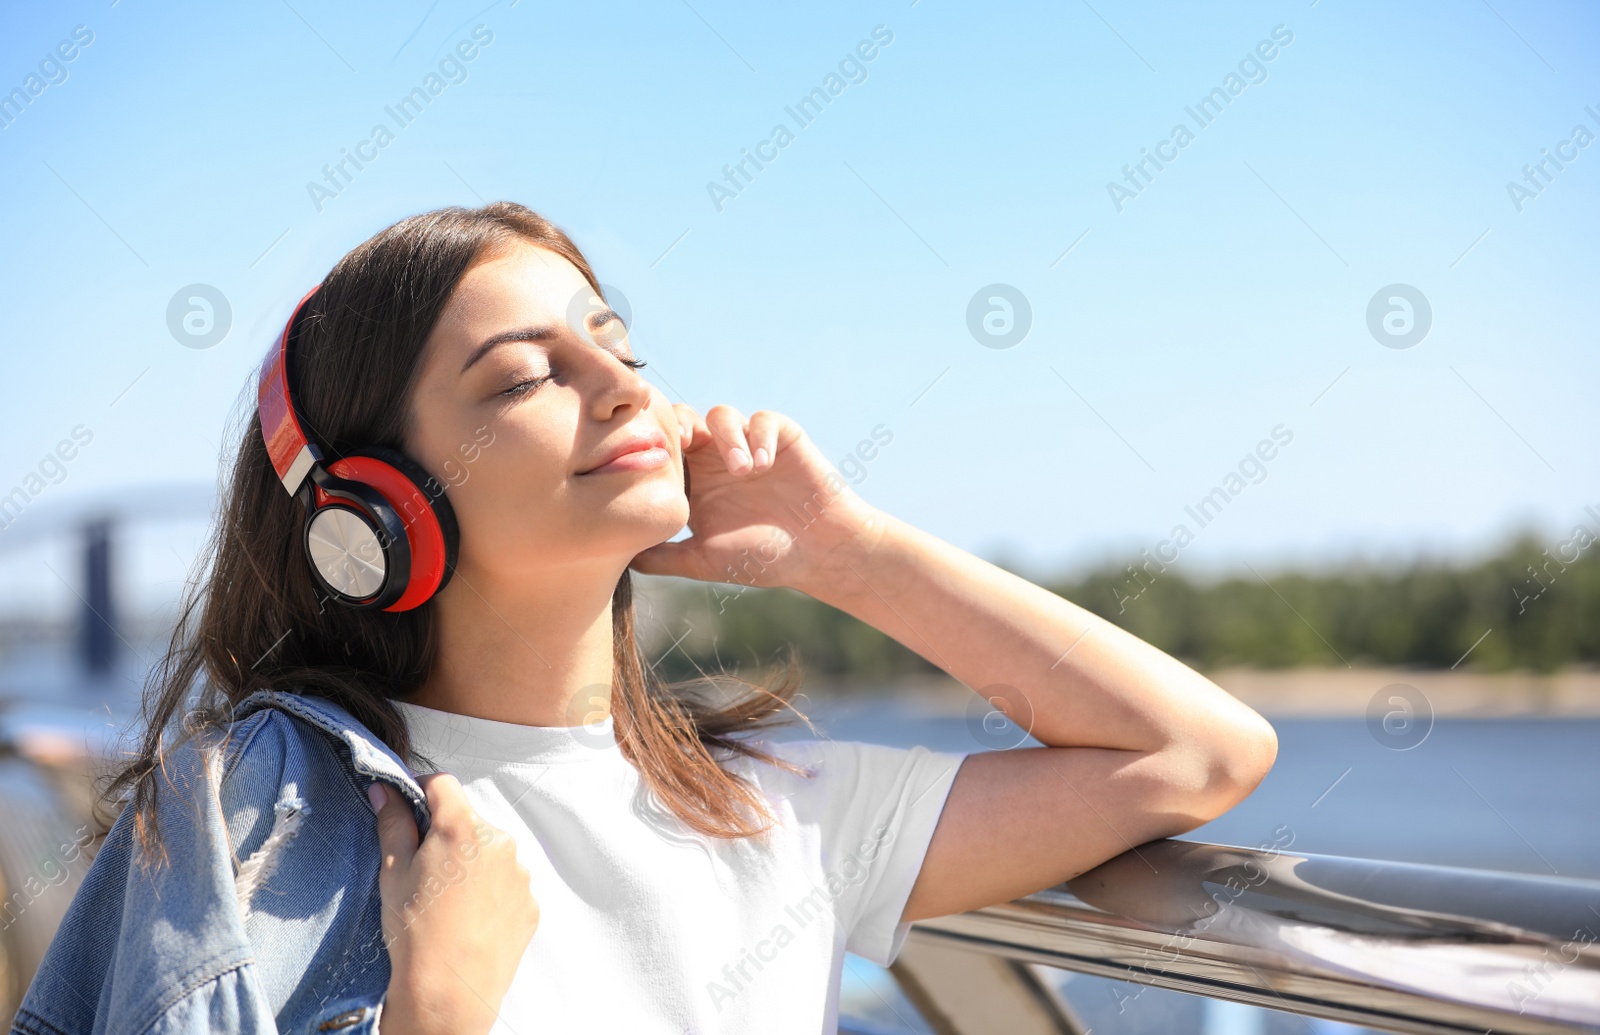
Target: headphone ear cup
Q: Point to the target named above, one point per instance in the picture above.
(424, 510)
(356, 544)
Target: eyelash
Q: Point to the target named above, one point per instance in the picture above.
(524, 387)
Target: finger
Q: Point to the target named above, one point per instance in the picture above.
(727, 428)
(397, 828)
(452, 813)
(692, 432)
(763, 438)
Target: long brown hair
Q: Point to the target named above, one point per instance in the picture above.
(252, 619)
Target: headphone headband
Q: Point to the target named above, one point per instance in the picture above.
(291, 449)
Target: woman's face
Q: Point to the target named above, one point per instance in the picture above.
(517, 400)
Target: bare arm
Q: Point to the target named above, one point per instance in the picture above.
(1139, 745)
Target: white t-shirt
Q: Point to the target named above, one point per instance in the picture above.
(647, 926)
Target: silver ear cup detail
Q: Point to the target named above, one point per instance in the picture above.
(346, 551)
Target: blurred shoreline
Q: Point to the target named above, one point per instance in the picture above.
(1309, 692)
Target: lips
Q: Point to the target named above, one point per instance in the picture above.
(635, 442)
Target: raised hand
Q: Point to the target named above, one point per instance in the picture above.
(766, 508)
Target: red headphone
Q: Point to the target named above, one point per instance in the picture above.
(379, 532)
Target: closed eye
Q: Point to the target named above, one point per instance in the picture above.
(524, 387)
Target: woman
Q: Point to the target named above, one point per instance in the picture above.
(610, 854)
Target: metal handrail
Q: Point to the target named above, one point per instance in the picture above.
(1394, 946)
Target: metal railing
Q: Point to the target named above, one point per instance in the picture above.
(1394, 946)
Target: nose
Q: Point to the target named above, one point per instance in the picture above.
(621, 387)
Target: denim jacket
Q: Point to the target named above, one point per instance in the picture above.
(267, 916)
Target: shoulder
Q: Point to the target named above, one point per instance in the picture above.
(250, 757)
(275, 766)
(264, 742)
(868, 812)
(852, 777)
(231, 787)
(222, 791)
(264, 737)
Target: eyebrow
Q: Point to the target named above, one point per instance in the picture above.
(533, 334)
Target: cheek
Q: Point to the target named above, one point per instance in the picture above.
(506, 481)
(436, 427)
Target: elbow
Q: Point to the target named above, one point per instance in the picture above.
(1258, 756)
(1212, 776)
(1240, 762)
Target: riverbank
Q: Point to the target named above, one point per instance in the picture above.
(1316, 692)
(1324, 692)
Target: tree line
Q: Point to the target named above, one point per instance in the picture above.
(1531, 606)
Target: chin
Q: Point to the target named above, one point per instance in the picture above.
(654, 515)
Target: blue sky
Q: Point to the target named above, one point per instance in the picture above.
(1227, 298)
